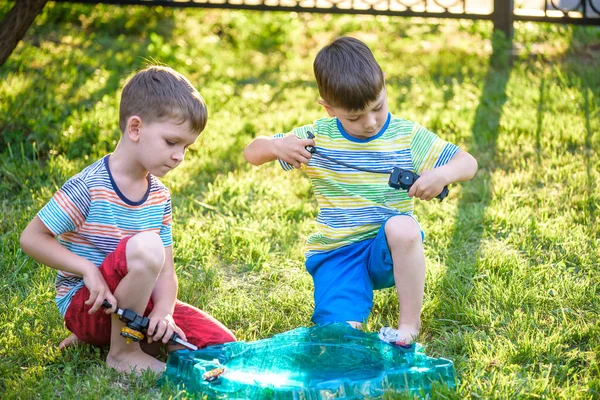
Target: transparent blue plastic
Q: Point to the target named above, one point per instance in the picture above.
(320, 362)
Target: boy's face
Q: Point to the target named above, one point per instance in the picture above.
(365, 123)
(162, 145)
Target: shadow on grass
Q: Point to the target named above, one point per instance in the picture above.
(575, 71)
(121, 40)
(592, 197)
(461, 256)
(588, 159)
(540, 123)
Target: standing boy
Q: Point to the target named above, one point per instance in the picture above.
(368, 237)
(113, 223)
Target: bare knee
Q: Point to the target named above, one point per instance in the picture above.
(402, 232)
(145, 253)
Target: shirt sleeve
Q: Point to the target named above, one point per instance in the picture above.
(301, 133)
(166, 233)
(68, 208)
(428, 150)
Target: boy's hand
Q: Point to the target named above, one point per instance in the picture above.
(162, 327)
(292, 150)
(429, 185)
(99, 290)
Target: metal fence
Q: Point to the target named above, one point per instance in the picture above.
(501, 12)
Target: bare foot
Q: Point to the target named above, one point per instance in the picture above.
(70, 341)
(408, 334)
(404, 337)
(137, 361)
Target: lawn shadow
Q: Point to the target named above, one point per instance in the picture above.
(588, 156)
(122, 43)
(461, 255)
(582, 52)
(591, 196)
(540, 124)
(574, 72)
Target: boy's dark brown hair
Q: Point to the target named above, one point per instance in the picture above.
(347, 74)
(158, 93)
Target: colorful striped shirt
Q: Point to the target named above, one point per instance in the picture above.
(90, 216)
(354, 204)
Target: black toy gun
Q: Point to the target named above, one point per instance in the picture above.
(136, 326)
(404, 179)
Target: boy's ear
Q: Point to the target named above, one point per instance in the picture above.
(134, 123)
(327, 107)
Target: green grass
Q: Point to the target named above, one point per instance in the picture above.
(513, 281)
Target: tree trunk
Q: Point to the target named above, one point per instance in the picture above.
(16, 23)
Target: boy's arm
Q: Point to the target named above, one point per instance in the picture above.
(289, 148)
(460, 168)
(38, 242)
(164, 296)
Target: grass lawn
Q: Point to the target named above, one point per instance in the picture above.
(513, 281)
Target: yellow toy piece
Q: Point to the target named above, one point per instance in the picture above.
(131, 335)
(213, 374)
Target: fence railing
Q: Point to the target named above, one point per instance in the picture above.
(502, 12)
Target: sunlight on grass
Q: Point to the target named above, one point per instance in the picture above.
(512, 291)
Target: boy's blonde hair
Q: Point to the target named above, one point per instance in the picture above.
(348, 75)
(158, 93)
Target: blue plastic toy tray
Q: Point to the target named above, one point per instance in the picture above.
(331, 361)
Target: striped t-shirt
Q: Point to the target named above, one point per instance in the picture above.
(90, 216)
(354, 204)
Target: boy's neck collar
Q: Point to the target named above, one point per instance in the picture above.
(118, 191)
(366, 140)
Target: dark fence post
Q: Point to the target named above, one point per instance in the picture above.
(504, 16)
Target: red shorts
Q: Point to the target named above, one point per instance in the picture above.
(200, 328)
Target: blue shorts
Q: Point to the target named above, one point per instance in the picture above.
(345, 278)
